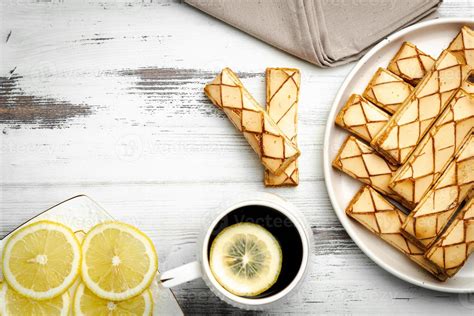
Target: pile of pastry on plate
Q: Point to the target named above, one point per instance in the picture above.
(413, 148)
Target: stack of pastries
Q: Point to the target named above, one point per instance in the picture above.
(412, 146)
(270, 131)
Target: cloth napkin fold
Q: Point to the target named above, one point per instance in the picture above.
(326, 33)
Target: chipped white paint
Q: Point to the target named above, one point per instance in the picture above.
(106, 99)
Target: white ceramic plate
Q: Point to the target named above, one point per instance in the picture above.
(431, 37)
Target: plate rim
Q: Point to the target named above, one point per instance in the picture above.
(327, 160)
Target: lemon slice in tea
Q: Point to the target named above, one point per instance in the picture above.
(41, 260)
(119, 261)
(87, 303)
(245, 259)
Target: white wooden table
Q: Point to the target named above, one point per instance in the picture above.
(106, 99)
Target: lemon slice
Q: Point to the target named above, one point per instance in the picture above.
(41, 260)
(119, 261)
(87, 303)
(245, 259)
(15, 304)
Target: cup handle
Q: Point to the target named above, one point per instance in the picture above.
(182, 274)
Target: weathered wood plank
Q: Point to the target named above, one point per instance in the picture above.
(105, 98)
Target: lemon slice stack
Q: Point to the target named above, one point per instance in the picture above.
(111, 272)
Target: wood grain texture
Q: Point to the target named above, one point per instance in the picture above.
(105, 98)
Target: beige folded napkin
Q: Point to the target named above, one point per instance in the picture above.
(324, 32)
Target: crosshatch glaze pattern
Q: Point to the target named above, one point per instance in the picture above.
(436, 150)
(282, 89)
(397, 140)
(456, 244)
(363, 163)
(410, 63)
(428, 220)
(387, 90)
(375, 213)
(275, 150)
(361, 117)
(463, 46)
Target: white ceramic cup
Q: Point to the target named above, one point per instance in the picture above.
(201, 268)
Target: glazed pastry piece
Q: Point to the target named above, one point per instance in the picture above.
(453, 248)
(463, 45)
(436, 150)
(428, 220)
(387, 90)
(410, 63)
(275, 150)
(383, 219)
(283, 85)
(397, 140)
(363, 163)
(361, 117)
